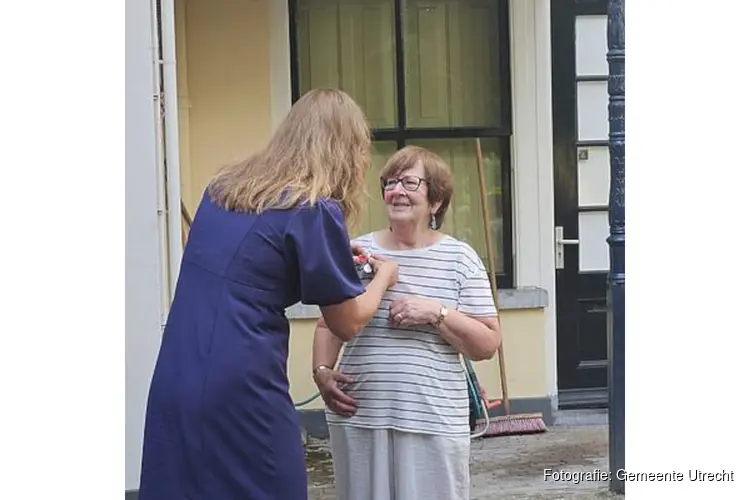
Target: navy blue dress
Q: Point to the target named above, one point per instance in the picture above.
(220, 424)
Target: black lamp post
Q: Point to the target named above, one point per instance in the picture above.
(616, 240)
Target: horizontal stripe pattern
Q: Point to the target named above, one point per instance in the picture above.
(410, 378)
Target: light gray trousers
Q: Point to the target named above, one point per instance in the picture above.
(385, 464)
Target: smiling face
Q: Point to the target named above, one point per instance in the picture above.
(416, 184)
(405, 196)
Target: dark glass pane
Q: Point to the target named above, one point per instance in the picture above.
(350, 45)
(452, 63)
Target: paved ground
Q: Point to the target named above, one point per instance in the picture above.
(512, 467)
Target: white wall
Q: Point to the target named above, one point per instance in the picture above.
(534, 209)
(143, 263)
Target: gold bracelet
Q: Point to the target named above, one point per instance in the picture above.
(441, 316)
(317, 369)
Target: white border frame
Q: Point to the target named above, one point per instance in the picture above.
(531, 163)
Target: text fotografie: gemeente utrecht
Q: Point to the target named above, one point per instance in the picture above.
(623, 475)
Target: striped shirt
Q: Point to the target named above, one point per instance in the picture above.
(410, 378)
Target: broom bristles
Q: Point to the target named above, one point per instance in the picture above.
(528, 423)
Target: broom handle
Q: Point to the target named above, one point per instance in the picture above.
(491, 259)
(187, 219)
(186, 214)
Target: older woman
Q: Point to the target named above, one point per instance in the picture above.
(398, 404)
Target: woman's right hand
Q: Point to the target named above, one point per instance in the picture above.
(357, 252)
(387, 267)
(329, 383)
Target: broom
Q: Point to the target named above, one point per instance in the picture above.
(524, 423)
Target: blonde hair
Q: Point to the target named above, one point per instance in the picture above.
(436, 171)
(320, 150)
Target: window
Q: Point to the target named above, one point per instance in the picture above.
(430, 72)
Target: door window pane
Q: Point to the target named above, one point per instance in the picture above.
(464, 217)
(452, 63)
(350, 45)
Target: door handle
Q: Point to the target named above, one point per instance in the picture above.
(560, 243)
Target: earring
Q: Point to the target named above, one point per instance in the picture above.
(433, 222)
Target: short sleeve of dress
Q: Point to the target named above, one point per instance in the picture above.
(475, 293)
(319, 241)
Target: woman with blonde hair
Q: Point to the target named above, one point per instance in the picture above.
(400, 426)
(269, 232)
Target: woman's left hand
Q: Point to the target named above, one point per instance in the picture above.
(410, 311)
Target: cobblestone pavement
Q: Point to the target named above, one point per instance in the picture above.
(510, 467)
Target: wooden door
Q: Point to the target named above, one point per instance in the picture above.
(581, 157)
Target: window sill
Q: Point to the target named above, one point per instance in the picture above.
(529, 297)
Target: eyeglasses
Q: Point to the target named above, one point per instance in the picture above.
(410, 183)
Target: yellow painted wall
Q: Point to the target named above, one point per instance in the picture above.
(224, 86)
(523, 334)
(524, 348)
